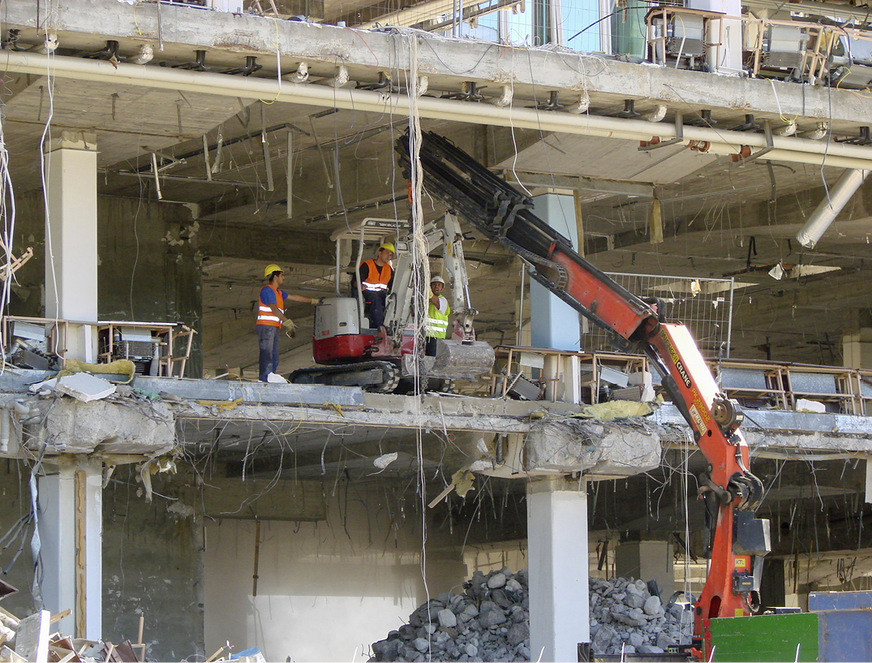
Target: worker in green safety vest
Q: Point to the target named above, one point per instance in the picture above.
(437, 315)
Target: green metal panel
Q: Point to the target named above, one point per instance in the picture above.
(766, 638)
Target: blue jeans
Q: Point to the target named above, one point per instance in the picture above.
(268, 338)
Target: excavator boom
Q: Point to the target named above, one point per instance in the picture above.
(737, 540)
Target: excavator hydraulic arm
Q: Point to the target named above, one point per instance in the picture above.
(737, 540)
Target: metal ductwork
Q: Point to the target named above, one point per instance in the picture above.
(825, 213)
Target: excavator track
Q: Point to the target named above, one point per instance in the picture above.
(376, 376)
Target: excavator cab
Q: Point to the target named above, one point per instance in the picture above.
(352, 352)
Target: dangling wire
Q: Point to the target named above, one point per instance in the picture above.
(420, 281)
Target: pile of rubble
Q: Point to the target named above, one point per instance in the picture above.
(626, 618)
(490, 621)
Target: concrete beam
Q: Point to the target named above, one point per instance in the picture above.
(247, 242)
(229, 37)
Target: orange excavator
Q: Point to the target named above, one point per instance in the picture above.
(737, 540)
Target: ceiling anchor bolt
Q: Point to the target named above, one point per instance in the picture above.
(469, 91)
(250, 67)
(748, 125)
(199, 63)
(863, 139)
(552, 104)
(110, 53)
(705, 119)
(629, 110)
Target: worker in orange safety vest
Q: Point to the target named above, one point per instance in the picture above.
(271, 319)
(376, 278)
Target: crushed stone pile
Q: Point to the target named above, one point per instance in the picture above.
(625, 616)
(490, 621)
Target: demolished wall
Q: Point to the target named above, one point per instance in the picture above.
(153, 566)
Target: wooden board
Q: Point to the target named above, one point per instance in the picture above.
(31, 641)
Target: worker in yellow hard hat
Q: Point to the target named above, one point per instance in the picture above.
(271, 319)
(376, 278)
(438, 312)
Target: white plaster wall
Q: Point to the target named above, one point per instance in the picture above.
(326, 590)
(317, 600)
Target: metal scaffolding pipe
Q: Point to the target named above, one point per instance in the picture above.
(785, 148)
(825, 213)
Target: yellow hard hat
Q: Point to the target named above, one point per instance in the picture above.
(270, 269)
(387, 246)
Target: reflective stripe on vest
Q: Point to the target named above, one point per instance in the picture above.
(375, 281)
(437, 322)
(265, 315)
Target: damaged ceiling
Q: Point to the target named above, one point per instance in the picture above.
(227, 161)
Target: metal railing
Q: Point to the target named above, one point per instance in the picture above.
(704, 305)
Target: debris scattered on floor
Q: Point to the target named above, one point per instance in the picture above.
(490, 621)
(626, 618)
(33, 638)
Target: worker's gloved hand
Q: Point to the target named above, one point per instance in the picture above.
(290, 328)
(316, 301)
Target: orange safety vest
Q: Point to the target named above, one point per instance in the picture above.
(265, 315)
(375, 282)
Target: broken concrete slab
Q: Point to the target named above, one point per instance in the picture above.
(617, 449)
(45, 385)
(84, 387)
(103, 426)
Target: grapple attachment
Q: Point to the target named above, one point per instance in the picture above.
(461, 361)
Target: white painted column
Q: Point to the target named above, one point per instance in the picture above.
(554, 323)
(71, 237)
(71, 537)
(558, 572)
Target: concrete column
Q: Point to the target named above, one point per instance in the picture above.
(71, 537)
(647, 560)
(71, 237)
(558, 574)
(554, 323)
(857, 349)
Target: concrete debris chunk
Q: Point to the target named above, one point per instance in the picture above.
(493, 622)
(619, 621)
(46, 385)
(496, 580)
(447, 618)
(385, 459)
(85, 387)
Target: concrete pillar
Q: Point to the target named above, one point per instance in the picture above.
(647, 560)
(71, 538)
(857, 349)
(71, 238)
(558, 574)
(554, 323)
